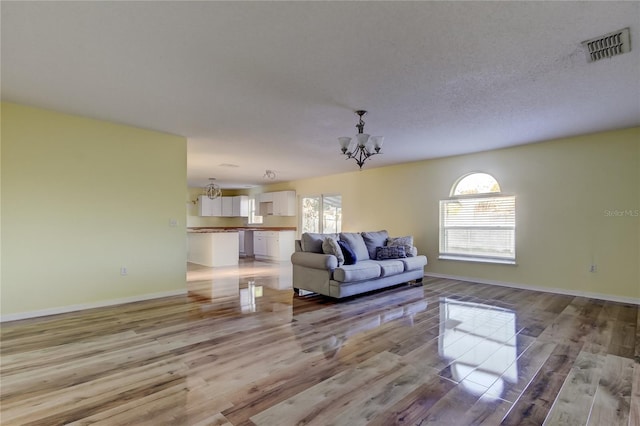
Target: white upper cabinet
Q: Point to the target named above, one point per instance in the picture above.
(240, 206)
(224, 206)
(227, 206)
(284, 203)
(280, 203)
(209, 207)
(266, 197)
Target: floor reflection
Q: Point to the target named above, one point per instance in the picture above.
(477, 340)
(358, 327)
(240, 286)
(481, 341)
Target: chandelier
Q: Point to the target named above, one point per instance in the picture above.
(212, 190)
(364, 146)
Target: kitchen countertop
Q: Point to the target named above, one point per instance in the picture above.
(211, 229)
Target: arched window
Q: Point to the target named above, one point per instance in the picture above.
(475, 183)
(478, 221)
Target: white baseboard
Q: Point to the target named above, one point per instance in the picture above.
(83, 306)
(602, 296)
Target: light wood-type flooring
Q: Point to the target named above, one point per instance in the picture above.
(241, 349)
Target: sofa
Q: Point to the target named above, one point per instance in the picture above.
(350, 263)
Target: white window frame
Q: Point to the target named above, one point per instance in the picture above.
(505, 226)
(254, 219)
(321, 198)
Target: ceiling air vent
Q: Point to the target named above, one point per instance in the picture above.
(608, 45)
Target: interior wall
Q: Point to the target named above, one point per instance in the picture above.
(577, 204)
(81, 199)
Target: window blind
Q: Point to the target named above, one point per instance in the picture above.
(480, 228)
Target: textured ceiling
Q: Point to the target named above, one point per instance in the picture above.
(271, 85)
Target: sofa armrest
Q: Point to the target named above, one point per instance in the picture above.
(315, 260)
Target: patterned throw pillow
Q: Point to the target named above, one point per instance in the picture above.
(390, 252)
(406, 242)
(330, 246)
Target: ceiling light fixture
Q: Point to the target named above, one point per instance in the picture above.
(365, 146)
(269, 174)
(212, 190)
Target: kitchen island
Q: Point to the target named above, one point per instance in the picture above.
(222, 246)
(213, 248)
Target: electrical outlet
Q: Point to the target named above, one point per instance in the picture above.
(594, 268)
(173, 222)
(123, 270)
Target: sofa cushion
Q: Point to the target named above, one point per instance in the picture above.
(349, 255)
(416, 262)
(360, 271)
(390, 267)
(356, 242)
(406, 242)
(312, 242)
(393, 252)
(330, 246)
(373, 240)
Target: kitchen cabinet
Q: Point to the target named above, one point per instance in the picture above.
(266, 197)
(227, 206)
(240, 206)
(280, 203)
(273, 245)
(260, 244)
(224, 206)
(209, 207)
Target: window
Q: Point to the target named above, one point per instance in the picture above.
(478, 222)
(321, 214)
(254, 218)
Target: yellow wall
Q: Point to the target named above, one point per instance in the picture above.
(563, 190)
(80, 199)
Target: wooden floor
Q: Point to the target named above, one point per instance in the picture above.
(241, 349)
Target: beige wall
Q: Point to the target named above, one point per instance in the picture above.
(80, 199)
(563, 190)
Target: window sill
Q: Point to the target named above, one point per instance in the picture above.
(478, 259)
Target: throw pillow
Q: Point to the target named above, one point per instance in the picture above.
(406, 242)
(330, 246)
(349, 255)
(374, 240)
(390, 252)
(312, 242)
(355, 241)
